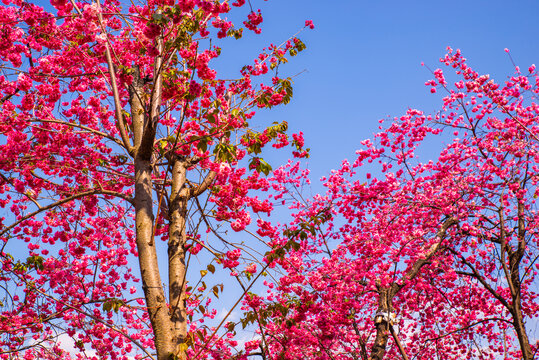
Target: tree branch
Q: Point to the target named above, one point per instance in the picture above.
(66, 200)
(203, 186)
(120, 122)
(397, 341)
(412, 273)
(230, 312)
(96, 132)
(475, 274)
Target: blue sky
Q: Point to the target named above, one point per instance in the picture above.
(363, 60)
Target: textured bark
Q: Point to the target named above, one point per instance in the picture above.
(144, 125)
(169, 320)
(144, 135)
(137, 108)
(176, 256)
(149, 270)
(518, 323)
(382, 324)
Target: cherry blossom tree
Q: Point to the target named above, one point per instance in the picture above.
(119, 139)
(433, 259)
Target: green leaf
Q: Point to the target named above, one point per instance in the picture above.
(158, 17)
(263, 167)
(237, 34)
(225, 152)
(19, 267)
(163, 144)
(107, 306)
(113, 304)
(183, 348)
(35, 261)
(116, 306)
(211, 118)
(202, 145)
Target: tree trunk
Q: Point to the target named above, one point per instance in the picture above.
(149, 270)
(176, 257)
(144, 125)
(515, 259)
(381, 322)
(512, 274)
(516, 305)
(518, 323)
(383, 317)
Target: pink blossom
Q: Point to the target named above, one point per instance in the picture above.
(251, 268)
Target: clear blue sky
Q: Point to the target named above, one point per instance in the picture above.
(363, 59)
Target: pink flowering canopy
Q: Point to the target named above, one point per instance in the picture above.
(122, 144)
(114, 125)
(409, 258)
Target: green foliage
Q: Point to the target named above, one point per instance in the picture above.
(286, 84)
(260, 165)
(32, 262)
(256, 142)
(235, 33)
(35, 262)
(297, 48)
(225, 152)
(113, 305)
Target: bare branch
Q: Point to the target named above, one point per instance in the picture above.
(397, 341)
(412, 273)
(230, 312)
(96, 132)
(66, 200)
(208, 180)
(120, 122)
(76, 7)
(475, 274)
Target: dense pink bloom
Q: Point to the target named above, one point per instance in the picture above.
(76, 121)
